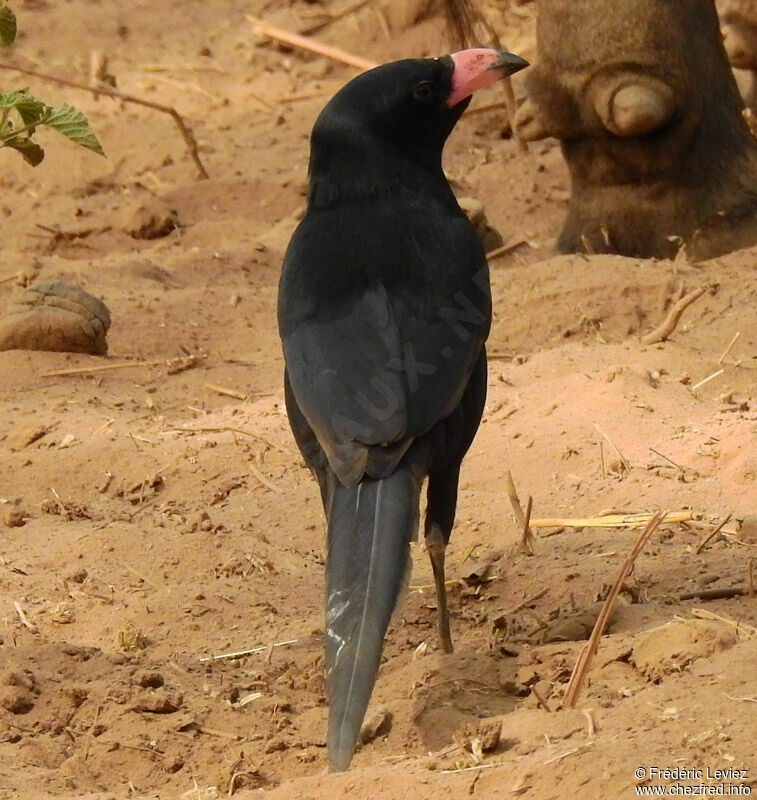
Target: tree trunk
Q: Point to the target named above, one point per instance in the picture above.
(642, 97)
(738, 22)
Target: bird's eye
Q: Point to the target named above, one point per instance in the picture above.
(425, 92)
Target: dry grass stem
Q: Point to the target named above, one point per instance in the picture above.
(730, 346)
(741, 699)
(712, 535)
(311, 45)
(520, 516)
(472, 769)
(610, 520)
(623, 459)
(59, 373)
(527, 602)
(661, 333)
(588, 651)
(527, 535)
(669, 460)
(265, 481)
(226, 392)
(707, 379)
(240, 653)
(744, 630)
(24, 619)
(505, 249)
(186, 133)
(568, 753)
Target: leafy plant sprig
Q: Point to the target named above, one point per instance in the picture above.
(21, 113)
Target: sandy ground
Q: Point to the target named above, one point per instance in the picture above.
(150, 521)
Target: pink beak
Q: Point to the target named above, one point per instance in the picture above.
(478, 68)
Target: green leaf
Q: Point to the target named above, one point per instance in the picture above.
(74, 125)
(29, 108)
(7, 27)
(32, 153)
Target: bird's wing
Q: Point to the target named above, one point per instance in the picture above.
(378, 358)
(343, 375)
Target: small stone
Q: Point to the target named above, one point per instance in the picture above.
(16, 699)
(274, 745)
(376, 721)
(748, 529)
(14, 518)
(159, 702)
(78, 576)
(479, 737)
(153, 221)
(55, 316)
(199, 521)
(149, 679)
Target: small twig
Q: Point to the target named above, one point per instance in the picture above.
(661, 333)
(186, 133)
(311, 45)
(623, 459)
(425, 587)
(526, 602)
(728, 349)
(741, 699)
(471, 769)
(265, 481)
(707, 379)
(99, 368)
(520, 516)
(226, 392)
(504, 249)
(214, 732)
(239, 653)
(24, 619)
(712, 535)
(590, 648)
(568, 753)
(240, 774)
(527, 535)
(669, 460)
(741, 627)
(713, 594)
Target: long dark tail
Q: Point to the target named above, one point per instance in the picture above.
(369, 532)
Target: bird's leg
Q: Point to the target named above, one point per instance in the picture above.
(436, 545)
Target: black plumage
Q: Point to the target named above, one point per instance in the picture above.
(384, 308)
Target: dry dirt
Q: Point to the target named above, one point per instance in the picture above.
(150, 521)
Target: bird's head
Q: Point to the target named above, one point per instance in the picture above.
(400, 114)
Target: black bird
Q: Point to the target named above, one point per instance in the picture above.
(384, 308)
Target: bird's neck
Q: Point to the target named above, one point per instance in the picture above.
(351, 173)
